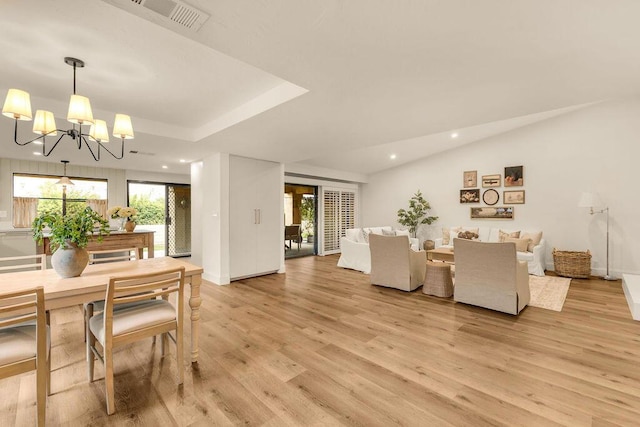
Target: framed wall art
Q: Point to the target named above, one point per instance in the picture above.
(514, 197)
(490, 197)
(503, 212)
(513, 176)
(470, 179)
(470, 196)
(491, 180)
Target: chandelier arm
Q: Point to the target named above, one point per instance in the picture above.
(83, 137)
(109, 151)
(15, 136)
(44, 144)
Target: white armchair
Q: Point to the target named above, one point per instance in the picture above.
(394, 264)
(489, 275)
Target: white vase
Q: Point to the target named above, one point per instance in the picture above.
(121, 225)
(69, 260)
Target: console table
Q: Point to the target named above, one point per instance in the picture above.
(115, 240)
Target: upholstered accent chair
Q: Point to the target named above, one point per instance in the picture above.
(489, 275)
(394, 264)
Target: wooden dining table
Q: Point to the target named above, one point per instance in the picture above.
(91, 285)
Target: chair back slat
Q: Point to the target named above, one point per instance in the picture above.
(17, 306)
(113, 255)
(23, 263)
(17, 320)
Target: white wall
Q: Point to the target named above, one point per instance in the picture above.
(596, 149)
(210, 218)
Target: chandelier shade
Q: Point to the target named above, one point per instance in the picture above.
(99, 131)
(44, 123)
(17, 105)
(80, 110)
(122, 127)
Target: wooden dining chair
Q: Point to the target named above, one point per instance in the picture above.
(100, 257)
(129, 315)
(23, 263)
(24, 341)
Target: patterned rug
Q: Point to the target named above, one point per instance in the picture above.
(548, 292)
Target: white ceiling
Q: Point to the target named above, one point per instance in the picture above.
(334, 84)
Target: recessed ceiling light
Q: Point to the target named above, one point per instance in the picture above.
(454, 135)
(183, 161)
(165, 167)
(37, 153)
(392, 157)
(37, 142)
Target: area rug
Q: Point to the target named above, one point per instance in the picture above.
(548, 292)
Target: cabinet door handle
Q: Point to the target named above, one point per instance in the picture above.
(255, 216)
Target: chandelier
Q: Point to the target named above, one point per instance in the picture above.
(17, 106)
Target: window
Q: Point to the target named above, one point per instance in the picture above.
(34, 194)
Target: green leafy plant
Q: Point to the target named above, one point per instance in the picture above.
(76, 227)
(416, 214)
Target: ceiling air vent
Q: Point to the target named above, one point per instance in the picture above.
(177, 11)
(142, 153)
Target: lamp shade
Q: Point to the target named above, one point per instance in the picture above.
(99, 131)
(44, 123)
(122, 127)
(80, 110)
(17, 105)
(589, 200)
(64, 181)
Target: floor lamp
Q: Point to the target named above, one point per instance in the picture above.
(589, 200)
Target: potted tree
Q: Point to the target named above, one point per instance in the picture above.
(69, 235)
(416, 214)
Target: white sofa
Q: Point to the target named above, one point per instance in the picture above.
(354, 248)
(535, 259)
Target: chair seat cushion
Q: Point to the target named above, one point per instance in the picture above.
(18, 342)
(134, 316)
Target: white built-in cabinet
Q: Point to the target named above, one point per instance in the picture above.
(255, 206)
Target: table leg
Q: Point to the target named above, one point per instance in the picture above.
(150, 249)
(194, 302)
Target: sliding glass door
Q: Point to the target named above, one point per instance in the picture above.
(178, 224)
(165, 209)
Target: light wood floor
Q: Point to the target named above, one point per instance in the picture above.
(320, 346)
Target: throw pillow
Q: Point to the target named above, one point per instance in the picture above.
(388, 233)
(504, 234)
(445, 236)
(535, 239)
(403, 233)
(365, 235)
(521, 244)
(469, 235)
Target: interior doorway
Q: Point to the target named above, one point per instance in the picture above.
(300, 220)
(165, 209)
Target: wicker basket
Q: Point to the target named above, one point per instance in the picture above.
(572, 264)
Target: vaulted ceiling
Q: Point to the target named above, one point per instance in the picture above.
(330, 84)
